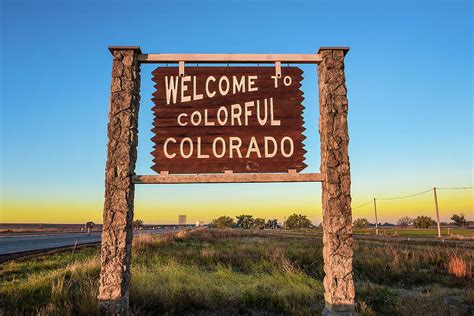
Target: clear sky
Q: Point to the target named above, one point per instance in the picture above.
(409, 78)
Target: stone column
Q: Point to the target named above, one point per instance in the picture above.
(119, 190)
(336, 193)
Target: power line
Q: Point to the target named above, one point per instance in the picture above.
(411, 195)
(405, 196)
(358, 206)
(460, 188)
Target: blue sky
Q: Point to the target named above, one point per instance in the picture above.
(409, 78)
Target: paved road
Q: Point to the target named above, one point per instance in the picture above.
(16, 244)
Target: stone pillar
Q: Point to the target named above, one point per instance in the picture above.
(119, 190)
(336, 193)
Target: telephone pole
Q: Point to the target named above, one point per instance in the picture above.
(376, 220)
(437, 211)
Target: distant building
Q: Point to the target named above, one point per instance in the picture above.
(199, 223)
(182, 219)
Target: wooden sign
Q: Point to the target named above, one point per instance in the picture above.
(213, 119)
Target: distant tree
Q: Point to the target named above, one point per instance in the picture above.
(361, 223)
(89, 226)
(405, 221)
(423, 222)
(298, 221)
(258, 223)
(245, 221)
(272, 223)
(223, 222)
(459, 220)
(137, 224)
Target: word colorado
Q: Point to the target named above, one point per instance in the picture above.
(231, 148)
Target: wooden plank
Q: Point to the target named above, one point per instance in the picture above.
(186, 144)
(230, 58)
(228, 178)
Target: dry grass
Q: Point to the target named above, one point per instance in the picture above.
(459, 267)
(244, 272)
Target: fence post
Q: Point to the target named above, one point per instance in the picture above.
(336, 195)
(117, 230)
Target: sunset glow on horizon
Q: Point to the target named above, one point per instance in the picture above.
(410, 110)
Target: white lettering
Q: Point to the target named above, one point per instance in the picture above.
(199, 118)
(208, 93)
(181, 147)
(227, 85)
(260, 120)
(200, 155)
(273, 122)
(165, 148)
(171, 87)
(179, 119)
(275, 147)
(251, 82)
(276, 80)
(253, 147)
(236, 112)
(214, 151)
(238, 86)
(233, 146)
(206, 122)
(282, 147)
(184, 88)
(247, 105)
(195, 95)
(221, 121)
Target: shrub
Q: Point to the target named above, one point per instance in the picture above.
(423, 222)
(298, 221)
(361, 223)
(223, 222)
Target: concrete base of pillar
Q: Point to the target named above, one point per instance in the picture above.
(114, 307)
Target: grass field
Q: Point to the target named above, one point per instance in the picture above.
(248, 272)
(414, 232)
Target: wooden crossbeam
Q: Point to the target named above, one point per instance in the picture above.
(228, 178)
(230, 58)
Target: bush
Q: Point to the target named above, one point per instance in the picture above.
(223, 222)
(423, 222)
(361, 223)
(298, 221)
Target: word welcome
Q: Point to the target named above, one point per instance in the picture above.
(222, 85)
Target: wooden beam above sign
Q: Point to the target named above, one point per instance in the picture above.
(228, 178)
(230, 58)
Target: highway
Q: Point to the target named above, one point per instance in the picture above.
(23, 243)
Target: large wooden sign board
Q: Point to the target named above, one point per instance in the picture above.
(213, 119)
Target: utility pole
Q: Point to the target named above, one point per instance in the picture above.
(376, 220)
(437, 211)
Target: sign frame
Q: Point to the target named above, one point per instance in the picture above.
(120, 177)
